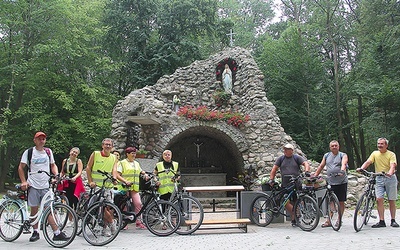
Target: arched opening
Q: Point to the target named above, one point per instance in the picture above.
(206, 151)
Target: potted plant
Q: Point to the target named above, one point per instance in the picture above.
(141, 153)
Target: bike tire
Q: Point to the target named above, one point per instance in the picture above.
(306, 213)
(162, 218)
(262, 210)
(80, 210)
(333, 210)
(371, 205)
(60, 213)
(125, 207)
(11, 221)
(191, 210)
(95, 230)
(361, 213)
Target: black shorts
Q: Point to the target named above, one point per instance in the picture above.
(340, 191)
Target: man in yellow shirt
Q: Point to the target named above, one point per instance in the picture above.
(105, 161)
(384, 161)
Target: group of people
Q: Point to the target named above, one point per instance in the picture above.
(336, 165)
(127, 171)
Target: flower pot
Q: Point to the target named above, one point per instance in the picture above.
(140, 155)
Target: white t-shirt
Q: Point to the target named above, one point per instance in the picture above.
(39, 161)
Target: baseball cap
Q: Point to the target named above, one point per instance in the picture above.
(40, 134)
(130, 150)
(290, 146)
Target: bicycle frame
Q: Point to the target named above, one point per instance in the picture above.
(277, 196)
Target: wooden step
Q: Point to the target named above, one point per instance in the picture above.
(221, 221)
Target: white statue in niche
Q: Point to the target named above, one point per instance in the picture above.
(175, 103)
(227, 79)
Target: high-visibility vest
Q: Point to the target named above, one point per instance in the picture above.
(131, 172)
(166, 185)
(103, 163)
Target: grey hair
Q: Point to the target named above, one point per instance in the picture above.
(383, 138)
(107, 139)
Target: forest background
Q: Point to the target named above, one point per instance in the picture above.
(331, 66)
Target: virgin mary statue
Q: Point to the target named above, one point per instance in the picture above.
(227, 79)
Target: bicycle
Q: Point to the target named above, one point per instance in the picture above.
(52, 215)
(366, 203)
(313, 184)
(160, 216)
(102, 220)
(190, 208)
(86, 199)
(265, 207)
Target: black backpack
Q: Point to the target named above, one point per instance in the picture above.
(28, 163)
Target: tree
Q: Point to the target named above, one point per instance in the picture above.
(51, 77)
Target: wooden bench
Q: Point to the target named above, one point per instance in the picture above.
(241, 223)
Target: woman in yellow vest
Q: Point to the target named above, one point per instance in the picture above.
(129, 172)
(165, 178)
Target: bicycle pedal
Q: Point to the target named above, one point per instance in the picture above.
(26, 232)
(373, 216)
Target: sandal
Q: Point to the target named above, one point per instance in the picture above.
(326, 224)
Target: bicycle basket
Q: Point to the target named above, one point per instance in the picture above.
(144, 185)
(313, 182)
(17, 195)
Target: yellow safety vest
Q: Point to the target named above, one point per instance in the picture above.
(131, 173)
(105, 164)
(167, 186)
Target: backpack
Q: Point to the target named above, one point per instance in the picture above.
(341, 157)
(30, 151)
(296, 158)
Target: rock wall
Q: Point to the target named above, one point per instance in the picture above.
(259, 141)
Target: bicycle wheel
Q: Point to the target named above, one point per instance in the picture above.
(334, 214)
(162, 218)
(306, 213)
(262, 210)
(125, 206)
(55, 217)
(11, 221)
(97, 228)
(371, 205)
(192, 214)
(361, 213)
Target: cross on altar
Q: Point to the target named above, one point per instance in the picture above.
(231, 38)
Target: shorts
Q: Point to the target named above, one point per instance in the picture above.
(35, 196)
(340, 191)
(386, 185)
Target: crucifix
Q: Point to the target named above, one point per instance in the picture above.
(198, 144)
(231, 38)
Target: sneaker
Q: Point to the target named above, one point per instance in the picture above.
(105, 232)
(140, 226)
(113, 228)
(294, 224)
(379, 224)
(35, 236)
(394, 224)
(60, 237)
(70, 223)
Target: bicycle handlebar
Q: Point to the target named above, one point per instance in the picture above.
(371, 174)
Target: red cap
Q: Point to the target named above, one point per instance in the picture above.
(130, 150)
(40, 134)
